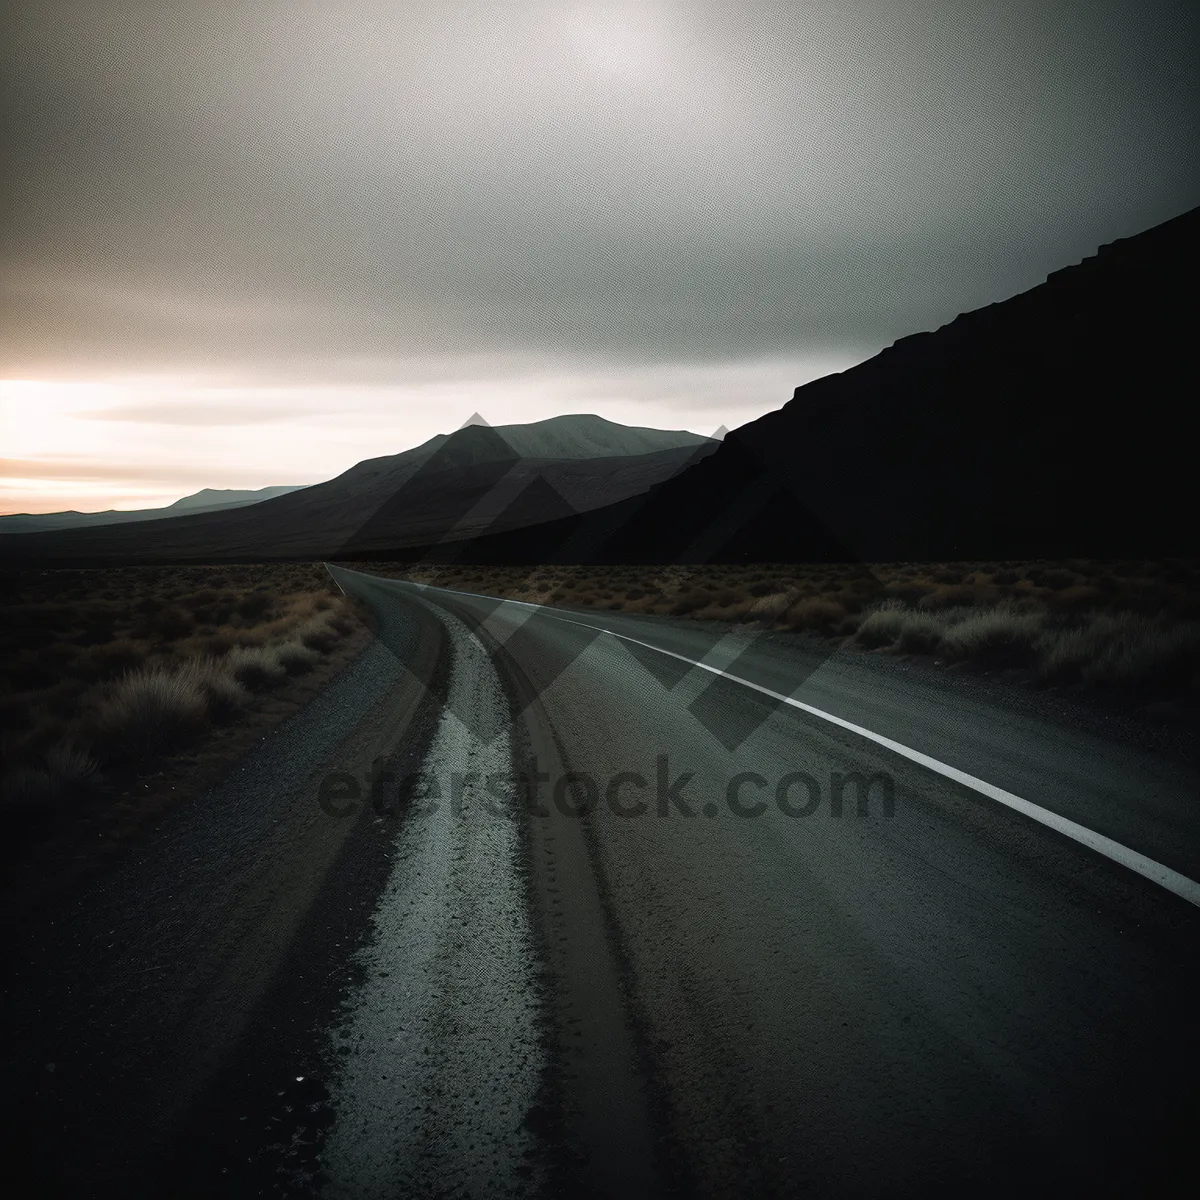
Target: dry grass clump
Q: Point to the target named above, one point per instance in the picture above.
(257, 667)
(998, 637)
(66, 771)
(222, 690)
(295, 657)
(160, 707)
(1121, 649)
(321, 632)
(819, 613)
(1124, 649)
(770, 606)
(150, 710)
(882, 626)
(1122, 623)
(108, 668)
(920, 633)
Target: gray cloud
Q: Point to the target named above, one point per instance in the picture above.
(344, 192)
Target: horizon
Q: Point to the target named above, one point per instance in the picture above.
(256, 249)
(474, 419)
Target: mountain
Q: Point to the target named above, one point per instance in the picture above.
(1051, 424)
(205, 500)
(213, 498)
(464, 484)
(589, 436)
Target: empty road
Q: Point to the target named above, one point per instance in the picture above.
(541, 902)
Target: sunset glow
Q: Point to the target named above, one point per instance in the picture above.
(145, 442)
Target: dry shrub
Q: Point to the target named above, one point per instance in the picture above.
(690, 602)
(849, 599)
(318, 634)
(153, 708)
(1076, 598)
(763, 587)
(815, 612)
(953, 597)
(881, 626)
(222, 691)
(112, 658)
(171, 625)
(70, 765)
(1057, 579)
(921, 633)
(999, 637)
(1123, 648)
(908, 591)
(770, 607)
(34, 791)
(255, 605)
(255, 666)
(295, 657)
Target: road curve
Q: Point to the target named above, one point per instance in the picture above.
(520, 906)
(952, 996)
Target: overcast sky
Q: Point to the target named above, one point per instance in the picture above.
(248, 244)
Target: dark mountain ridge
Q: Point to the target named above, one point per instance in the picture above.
(473, 481)
(205, 500)
(1052, 424)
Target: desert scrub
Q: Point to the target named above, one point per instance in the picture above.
(999, 637)
(295, 657)
(771, 606)
(257, 667)
(34, 791)
(150, 710)
(1127, 624)
(815, 612)
(921, 633)
(882, 626)
(1123, 649)
(111, 668)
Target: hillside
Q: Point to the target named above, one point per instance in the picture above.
(212, 498)
(1051, 424)
(205, 500)
(463, 484)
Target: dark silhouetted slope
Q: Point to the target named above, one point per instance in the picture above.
(1055, 423)
(471, 482)
(205, 500)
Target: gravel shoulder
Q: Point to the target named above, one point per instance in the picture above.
(128, 995)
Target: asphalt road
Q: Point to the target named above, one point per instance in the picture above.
(599, 926)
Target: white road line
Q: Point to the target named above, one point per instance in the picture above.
(1187, 889)
(334, 578)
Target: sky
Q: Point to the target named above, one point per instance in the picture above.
(254, 243)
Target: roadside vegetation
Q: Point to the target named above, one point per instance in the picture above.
(1126, 625)
(110, 672)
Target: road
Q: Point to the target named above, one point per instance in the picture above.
(598, 927)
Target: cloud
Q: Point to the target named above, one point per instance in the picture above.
(343, 227)
(315, 188)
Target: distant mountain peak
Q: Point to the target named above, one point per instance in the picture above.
(476, 479)
(475, 419)
(718, 435)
